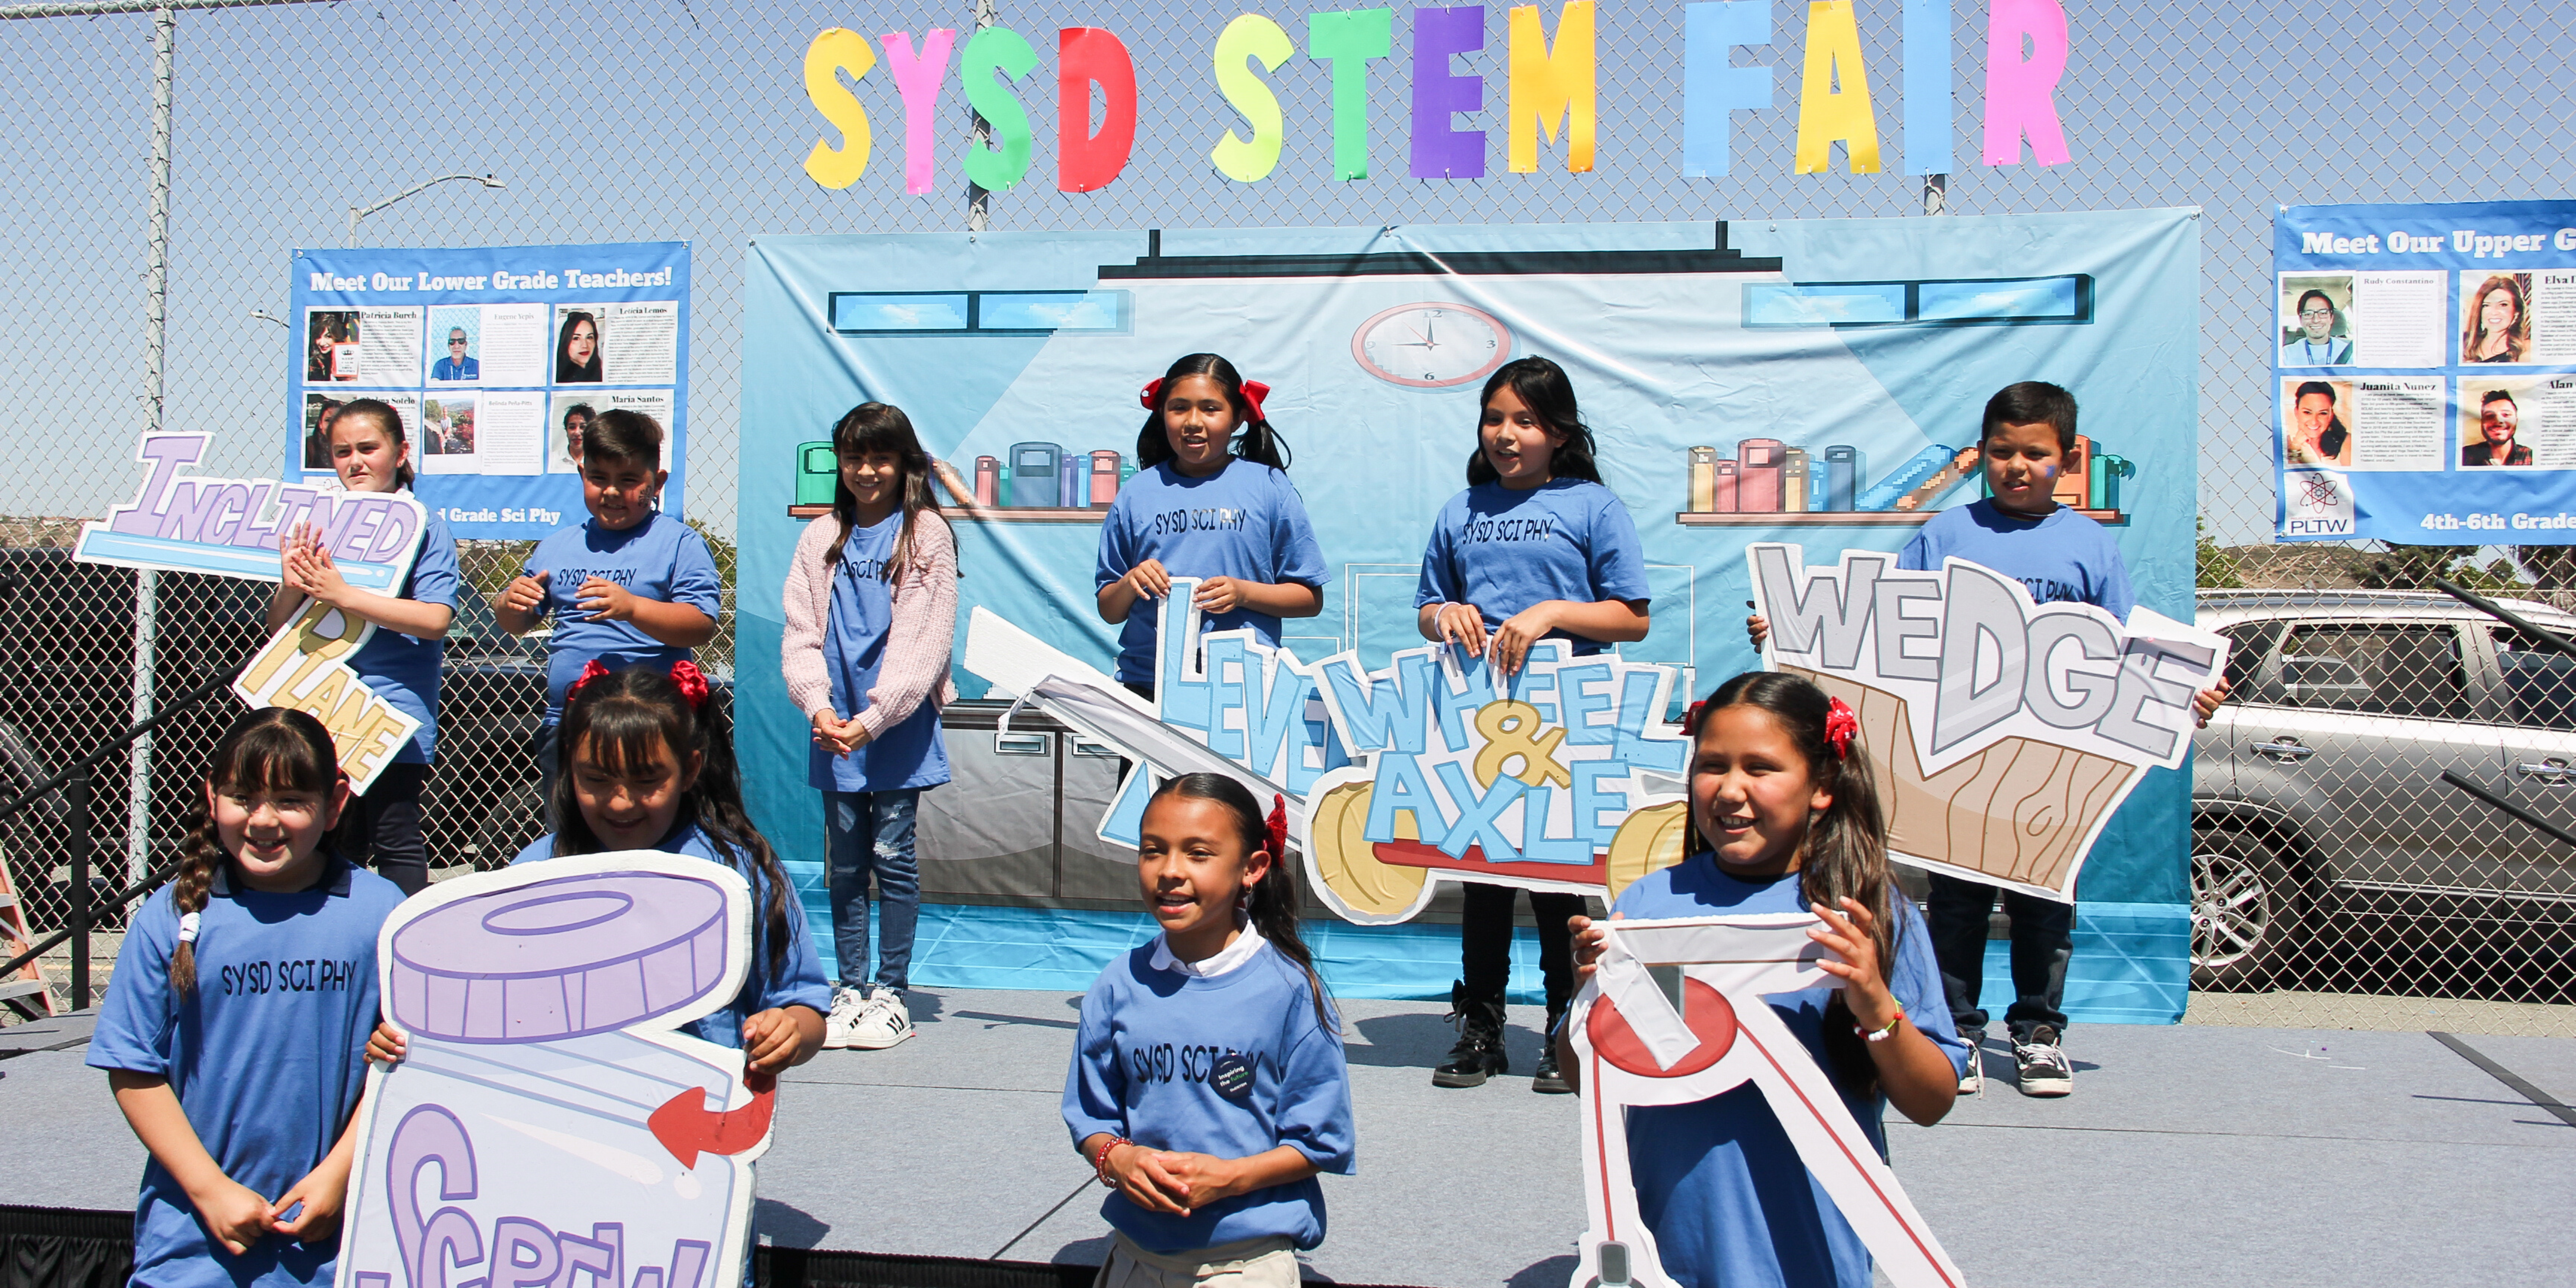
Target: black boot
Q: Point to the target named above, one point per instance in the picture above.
(1550, 1081)
(1479, 1053)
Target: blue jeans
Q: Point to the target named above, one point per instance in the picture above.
(2042, 940)
(871, 832)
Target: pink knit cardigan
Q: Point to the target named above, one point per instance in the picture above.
(915, 668)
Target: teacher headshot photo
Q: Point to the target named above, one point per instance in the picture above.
(457, 365)
(2317, 434)
(2496, 324)
(577, 350)
(2317, 345)
(2497, 417)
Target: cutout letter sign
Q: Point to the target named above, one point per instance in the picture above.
(233, 528)
(2005, 732)
(546, 1122)
(1674, 1016)
(1564, 777)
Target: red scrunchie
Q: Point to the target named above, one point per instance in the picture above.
(1841, 725)
(692, 682)
(1278, 826)
(590, 670)
(1253, 392)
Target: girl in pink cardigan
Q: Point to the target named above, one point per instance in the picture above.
(871, 608)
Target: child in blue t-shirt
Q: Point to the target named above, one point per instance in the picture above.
(1784, 818)
(1207, 1087)
(2021, 531)
(233, 1026)
(871, 611)
(1535, 548)
(1194, 509)
(631, 586)
(370, 453)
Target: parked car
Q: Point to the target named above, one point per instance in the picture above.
(2321, 785)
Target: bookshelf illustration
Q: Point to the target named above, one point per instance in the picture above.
(1768, 483)
(1042, 483)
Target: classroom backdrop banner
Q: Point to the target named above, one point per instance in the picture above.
(2425, 377)
(1814, 382)
(498, 358)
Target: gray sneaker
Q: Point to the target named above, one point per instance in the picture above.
(2044, 1069)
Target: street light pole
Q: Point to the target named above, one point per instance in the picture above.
(357, 213)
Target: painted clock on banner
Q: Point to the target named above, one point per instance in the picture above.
(1431, 346)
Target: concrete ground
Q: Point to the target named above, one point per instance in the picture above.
(2201, 1154)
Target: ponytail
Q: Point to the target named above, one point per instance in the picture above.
(1845, 851)
(1272, 906)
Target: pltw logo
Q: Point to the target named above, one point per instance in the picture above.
(2315, 503)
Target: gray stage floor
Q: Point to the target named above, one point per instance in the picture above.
(2219, 1156)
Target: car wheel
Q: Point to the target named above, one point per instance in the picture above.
(2247, 909)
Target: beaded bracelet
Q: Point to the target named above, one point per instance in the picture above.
(1100, 1161)
(1884, 1033)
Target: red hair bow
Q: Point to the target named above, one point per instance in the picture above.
(692, 682)
(1253, 392)
(1841, 725)
(590, 670)
(1278, 826)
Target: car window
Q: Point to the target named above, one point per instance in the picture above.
(2248, 643)
(2379, 670)
(2539, 683)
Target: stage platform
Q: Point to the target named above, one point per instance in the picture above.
(2188, 1155)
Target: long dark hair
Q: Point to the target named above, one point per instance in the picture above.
(1254, 439)
(270, 749)
(1273, 905)
(878, 427)
(621, 718)
(1844, 854)
(387, 419)
(1547, 392)
(2331, 441)
(565, 367)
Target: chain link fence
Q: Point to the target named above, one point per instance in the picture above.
(687, 120)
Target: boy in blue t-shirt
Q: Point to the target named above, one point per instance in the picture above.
(632, 586)
(2021, 531)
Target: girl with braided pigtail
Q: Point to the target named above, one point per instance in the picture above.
(234, 1025)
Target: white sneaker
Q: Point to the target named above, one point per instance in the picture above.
(840, 1024)
(882, 1023)
(1973, 1082)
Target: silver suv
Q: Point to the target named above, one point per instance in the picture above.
(2322, 785)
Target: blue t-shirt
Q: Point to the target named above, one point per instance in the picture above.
(799, 981)
(267, 1056)
(1141, 1065)
(1245, 521)
(2064, 558)
(660, 558)
(456, 369)
(403, 669)
(1503, 550)
(1717, 1180)
(911, 754)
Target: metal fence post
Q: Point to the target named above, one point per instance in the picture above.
(76, 794)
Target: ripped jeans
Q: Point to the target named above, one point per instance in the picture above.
(871, 832)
